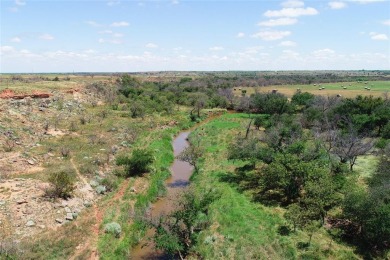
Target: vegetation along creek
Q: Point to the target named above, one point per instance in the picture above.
(175, 184)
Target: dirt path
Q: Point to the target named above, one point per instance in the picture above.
(81, 177)
(98, 214)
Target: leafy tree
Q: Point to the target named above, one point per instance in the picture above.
(177, 233)
(283, 180)
(294, 216)
(367, 114)
(139, 162)
(304, 99)
(137, 109)
(192, 154)
(283, 133)
(270, 103)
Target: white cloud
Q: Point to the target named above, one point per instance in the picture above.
(118, 35)
(120, 24)
(288, 44)
(271, 35)
(151, 45)
(291, 12)
(14, 60)
(175, 2)
(20, 3)
(253, 49)
(279, 22)
(337, 5)
(240, 35)
(216, 48)
(290, 54)
(323, 53)
(386, 22)
(4, 49)
(113, 2)
(293, 3)
(93, 23)
(16, 39)
(378, 36)
(46, 37)
(366, 1)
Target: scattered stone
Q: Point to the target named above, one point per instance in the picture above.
(64, 204)
(42, 226)
(21, 201)
(132, 189)
(30, 223)
(31, 162)
(69, 216)
(67, 210)
(58, 220)
(2, 202)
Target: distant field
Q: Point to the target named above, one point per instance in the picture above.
(45, 83)
(377, 88)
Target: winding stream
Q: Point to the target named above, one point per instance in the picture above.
(180, 174)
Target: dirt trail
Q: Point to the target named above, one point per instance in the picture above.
(98, 213)
(81, 177)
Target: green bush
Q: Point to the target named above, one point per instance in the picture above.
(63, 184)
(113, 228)
(110, 182)
(139, 162)
(100, 189)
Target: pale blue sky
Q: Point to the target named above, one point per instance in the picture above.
(119, 36)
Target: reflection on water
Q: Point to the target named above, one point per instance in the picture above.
(179, 180)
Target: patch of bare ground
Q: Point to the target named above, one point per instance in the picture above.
(88, 249)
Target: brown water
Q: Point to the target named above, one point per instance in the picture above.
(179, 180)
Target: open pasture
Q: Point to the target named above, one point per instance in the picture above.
(345, 89)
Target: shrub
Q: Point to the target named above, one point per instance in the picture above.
(110, 182)
(113, 228)
(139, 162)
(63, 184)
(100, 189)
(65, 152)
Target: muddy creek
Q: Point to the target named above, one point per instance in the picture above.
(180, 174)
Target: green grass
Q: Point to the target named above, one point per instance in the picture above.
(365, 167)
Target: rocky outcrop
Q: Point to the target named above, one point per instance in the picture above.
(10, 94)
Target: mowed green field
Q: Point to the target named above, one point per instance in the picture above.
(345, 89)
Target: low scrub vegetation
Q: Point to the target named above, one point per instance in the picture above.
(139, 162)
(62, 184)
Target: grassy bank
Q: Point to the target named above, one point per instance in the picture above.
(125, 212)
